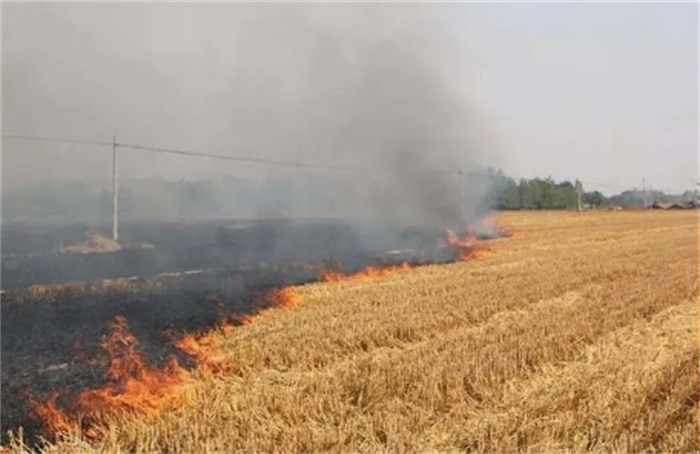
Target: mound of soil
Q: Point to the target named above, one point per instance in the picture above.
(94, 243)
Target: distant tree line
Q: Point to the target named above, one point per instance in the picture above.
(507, 193)
(161, 199)
(238, 197)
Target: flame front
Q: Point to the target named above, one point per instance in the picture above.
(53, 418)
(148, 391)
(133, 386)
(205, 349)
(282, 297)
(467, 248)
(369, 273)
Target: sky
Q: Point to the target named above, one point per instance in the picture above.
(606, 92)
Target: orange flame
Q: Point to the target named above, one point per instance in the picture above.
(369, 273)
(227, 321)
(283, 297)
(139, 388)
(240, 319)
(134, 385)
(53, 418)
(204, 348)
(148, 391)
(469, 247)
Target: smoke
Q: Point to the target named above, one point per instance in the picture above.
(380, 88)
(383, 89)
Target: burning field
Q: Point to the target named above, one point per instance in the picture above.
(576, 332)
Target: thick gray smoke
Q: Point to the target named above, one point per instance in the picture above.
(378, 88)
(382, 90)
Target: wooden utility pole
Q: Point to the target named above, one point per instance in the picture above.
(299, 209)
(578, 195)
(115, 191)
(461, 195)
(579, 190)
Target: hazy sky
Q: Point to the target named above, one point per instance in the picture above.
(604, 92)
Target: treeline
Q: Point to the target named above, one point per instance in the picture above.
(507, 193)
(305, 194)
(161, 199)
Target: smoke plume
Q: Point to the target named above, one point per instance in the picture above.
(381, 89)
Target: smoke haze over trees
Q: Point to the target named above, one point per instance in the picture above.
(302, 196)
(397, 88)
(378, 87)
(508, 193)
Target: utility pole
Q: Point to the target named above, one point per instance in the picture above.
(578, 195)
(301, 209)
(115, 191)
(461, 195)
(298, 208)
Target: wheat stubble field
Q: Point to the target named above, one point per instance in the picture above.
(583, 335)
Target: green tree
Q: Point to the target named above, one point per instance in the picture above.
(564, 195)
(595, 199)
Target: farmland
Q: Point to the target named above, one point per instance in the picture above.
(32, 253)
(581, 335)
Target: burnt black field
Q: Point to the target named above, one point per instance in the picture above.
(30, 257)
(48, 328)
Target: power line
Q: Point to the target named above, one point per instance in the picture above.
(173, 151)
(293, 164)
(214, 155)
(267, 161)
(55, 140)
(272, 161)
(231, 158)
(627, 188)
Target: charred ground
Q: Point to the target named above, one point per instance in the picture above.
(31, 253)
(52, 329)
